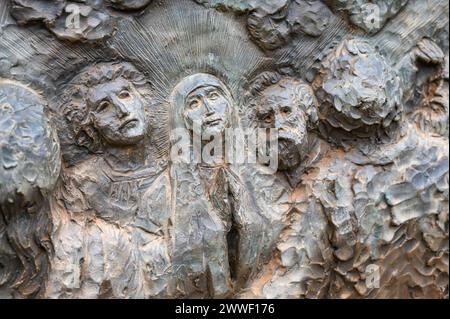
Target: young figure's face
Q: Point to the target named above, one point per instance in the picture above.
(118, 112)
(209, 106)
(278, 110)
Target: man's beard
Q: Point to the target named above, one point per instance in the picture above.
(290, 145)
(214, 131)
(288, 153)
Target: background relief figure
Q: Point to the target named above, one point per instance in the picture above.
(93, 205)
(114, 202)
(29, 167)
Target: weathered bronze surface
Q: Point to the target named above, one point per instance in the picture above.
(98, 201)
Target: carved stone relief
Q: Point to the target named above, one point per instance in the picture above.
(82, 20)
(224, 149)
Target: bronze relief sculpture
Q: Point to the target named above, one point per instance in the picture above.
(106, 107)
(223, 149)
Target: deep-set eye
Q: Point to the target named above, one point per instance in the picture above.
(124, 94)
(103, 106)
(213, 96)
(194, 104)
(266, 118)
(286, 110)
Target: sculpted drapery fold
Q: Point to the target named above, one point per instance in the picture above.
(118, 178)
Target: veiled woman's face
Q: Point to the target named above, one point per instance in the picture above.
(118, 112)
(209, 107)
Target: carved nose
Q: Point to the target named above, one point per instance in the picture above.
(209, 108)
(279, 123)
(121, 107)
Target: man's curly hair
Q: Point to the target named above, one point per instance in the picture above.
(303, 94)
(76, 121)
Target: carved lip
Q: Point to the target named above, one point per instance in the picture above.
(285, 142)
(213, 122)
(129, 123)
(285, 139)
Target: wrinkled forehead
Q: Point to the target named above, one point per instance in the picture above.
(101, 91)
(277, 97)
(205, 89)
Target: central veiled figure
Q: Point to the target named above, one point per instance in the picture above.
(206, 99)
(218, 228)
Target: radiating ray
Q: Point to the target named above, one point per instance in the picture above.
(304, 51)
(4, 12)
(182, 38)
(419, 18)
(44, 61)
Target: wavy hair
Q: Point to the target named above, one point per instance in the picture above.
(303, 94)
(76, 122)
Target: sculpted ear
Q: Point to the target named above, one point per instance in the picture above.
(85, 134)
(89, 137)
(84, 138)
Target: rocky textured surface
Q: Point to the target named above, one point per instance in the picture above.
(359, 91)
(369, 15)
(99, 200)
(272, 27)
(83, 20)
(30, 164)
